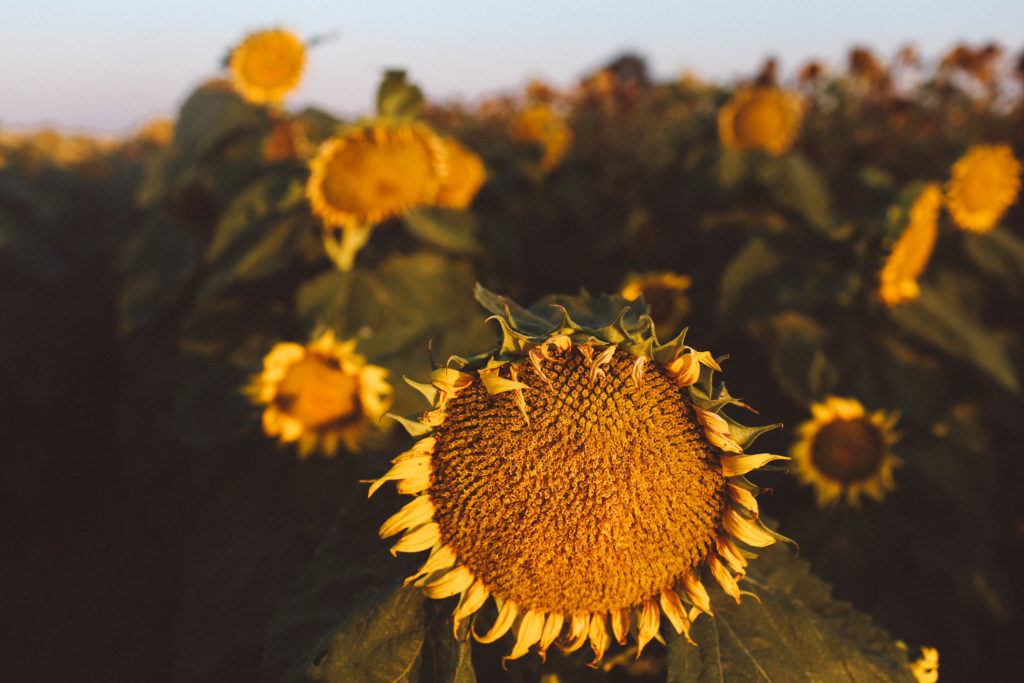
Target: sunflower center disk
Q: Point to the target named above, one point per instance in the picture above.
(759, 122)
(317, 394)
(609, 495)
(849, 450)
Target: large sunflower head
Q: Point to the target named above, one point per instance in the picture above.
(466, 174)
(663, 292)
(368, 174)
(541, 124)
(267, 65)
(913, 248)
(984, 184)
(766, 118)
(583, 475)
(320, 395)
(843, 451)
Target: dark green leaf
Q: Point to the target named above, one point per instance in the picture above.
(445, 228)
(397, 97)
(1000, 253)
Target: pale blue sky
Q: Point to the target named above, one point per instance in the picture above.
(110, 64)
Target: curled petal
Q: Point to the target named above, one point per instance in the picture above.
(738, 465)
(442, 558)
(724, 578)
(731, 554)
(743, 497)
(418, 540)
(620, 624)
(472, 600)
(419, 511)
(597, 369)
(599, 640)
(684, 369)
(496, 384)
(413, 467)
(697, 593)
(455, 581)
(531, 627)
(647, 626)
(578, 627)
(749, 531)
(450, 381)
(506, 616)
(637, 373)
(552, 627)
(676, 613)
(712, 421)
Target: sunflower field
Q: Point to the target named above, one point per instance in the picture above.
(439, 394)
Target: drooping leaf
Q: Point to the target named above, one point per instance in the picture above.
(795, 632)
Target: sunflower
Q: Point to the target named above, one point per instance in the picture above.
(320, 395)
(912, 250)
(581, 475)
(369, 174)
(663, 294)
(466, 174)
(926, 668)
(984, 184)
(765, 118)
(541, 124)
(267, 65)
(844, 451)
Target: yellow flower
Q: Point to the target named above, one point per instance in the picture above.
(583, 484)
(466, 174)
(320, 395)
(926, 668)
(267, 65)
(843, 451)
(541, 124)
(913, 249)
(760, 118)
(663, 294)
(369, 174)
(984, 184)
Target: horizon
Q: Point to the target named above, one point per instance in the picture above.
(468, 53)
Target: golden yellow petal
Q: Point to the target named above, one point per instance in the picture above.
(414, 485)
(648, 625)
(599, 640)
(697, 593)
(738, 465)
(531, 627)
(506, 616)
(724, 578)
(674, 610)
(743, 497)
(418, 540)
(620, 624)
(406, 468)
(442, 558)
(419, 511)
(455, 581)
(552, 627)
(749, 531)
(472, 600)
(731, 554)
(578, 629)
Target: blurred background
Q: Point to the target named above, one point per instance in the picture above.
(829, 194)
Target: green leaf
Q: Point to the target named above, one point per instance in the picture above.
(938, 319)
(445, 659)
(452, 230)
(398, 98)
(755, 262)
(795, 632)
(797, 185)
(798, 358)
(999, 253)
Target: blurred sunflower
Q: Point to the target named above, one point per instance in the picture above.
(320, 395)
(663, 294)
(585, 484)
(765, 118)
(984, 184)
(466, 174)
(541, 124)
(926, 668)
(366, 175)
(843, 451)
(267, 65)
(912, 250)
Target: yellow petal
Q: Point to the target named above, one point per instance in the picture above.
(731, 554)
(496, 384)
(743, 497)
(417, 540)
(414, 467)
(531, 627)
(506, 615)
(577, 632)
(552, 627)
(472, 600)
(599, 640)
(442, 558)
(413, 485)
(697, 593)
(675, 611)
(724, 578)
(419, 511)
(455, 581)
(647, 627)
(738, 465)
(684, 369)
(620, 624)
(422, 447)
(749, 531)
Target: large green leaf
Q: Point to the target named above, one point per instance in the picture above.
(797, 185)
(446, 228)
(999, 253)
(795, 631)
